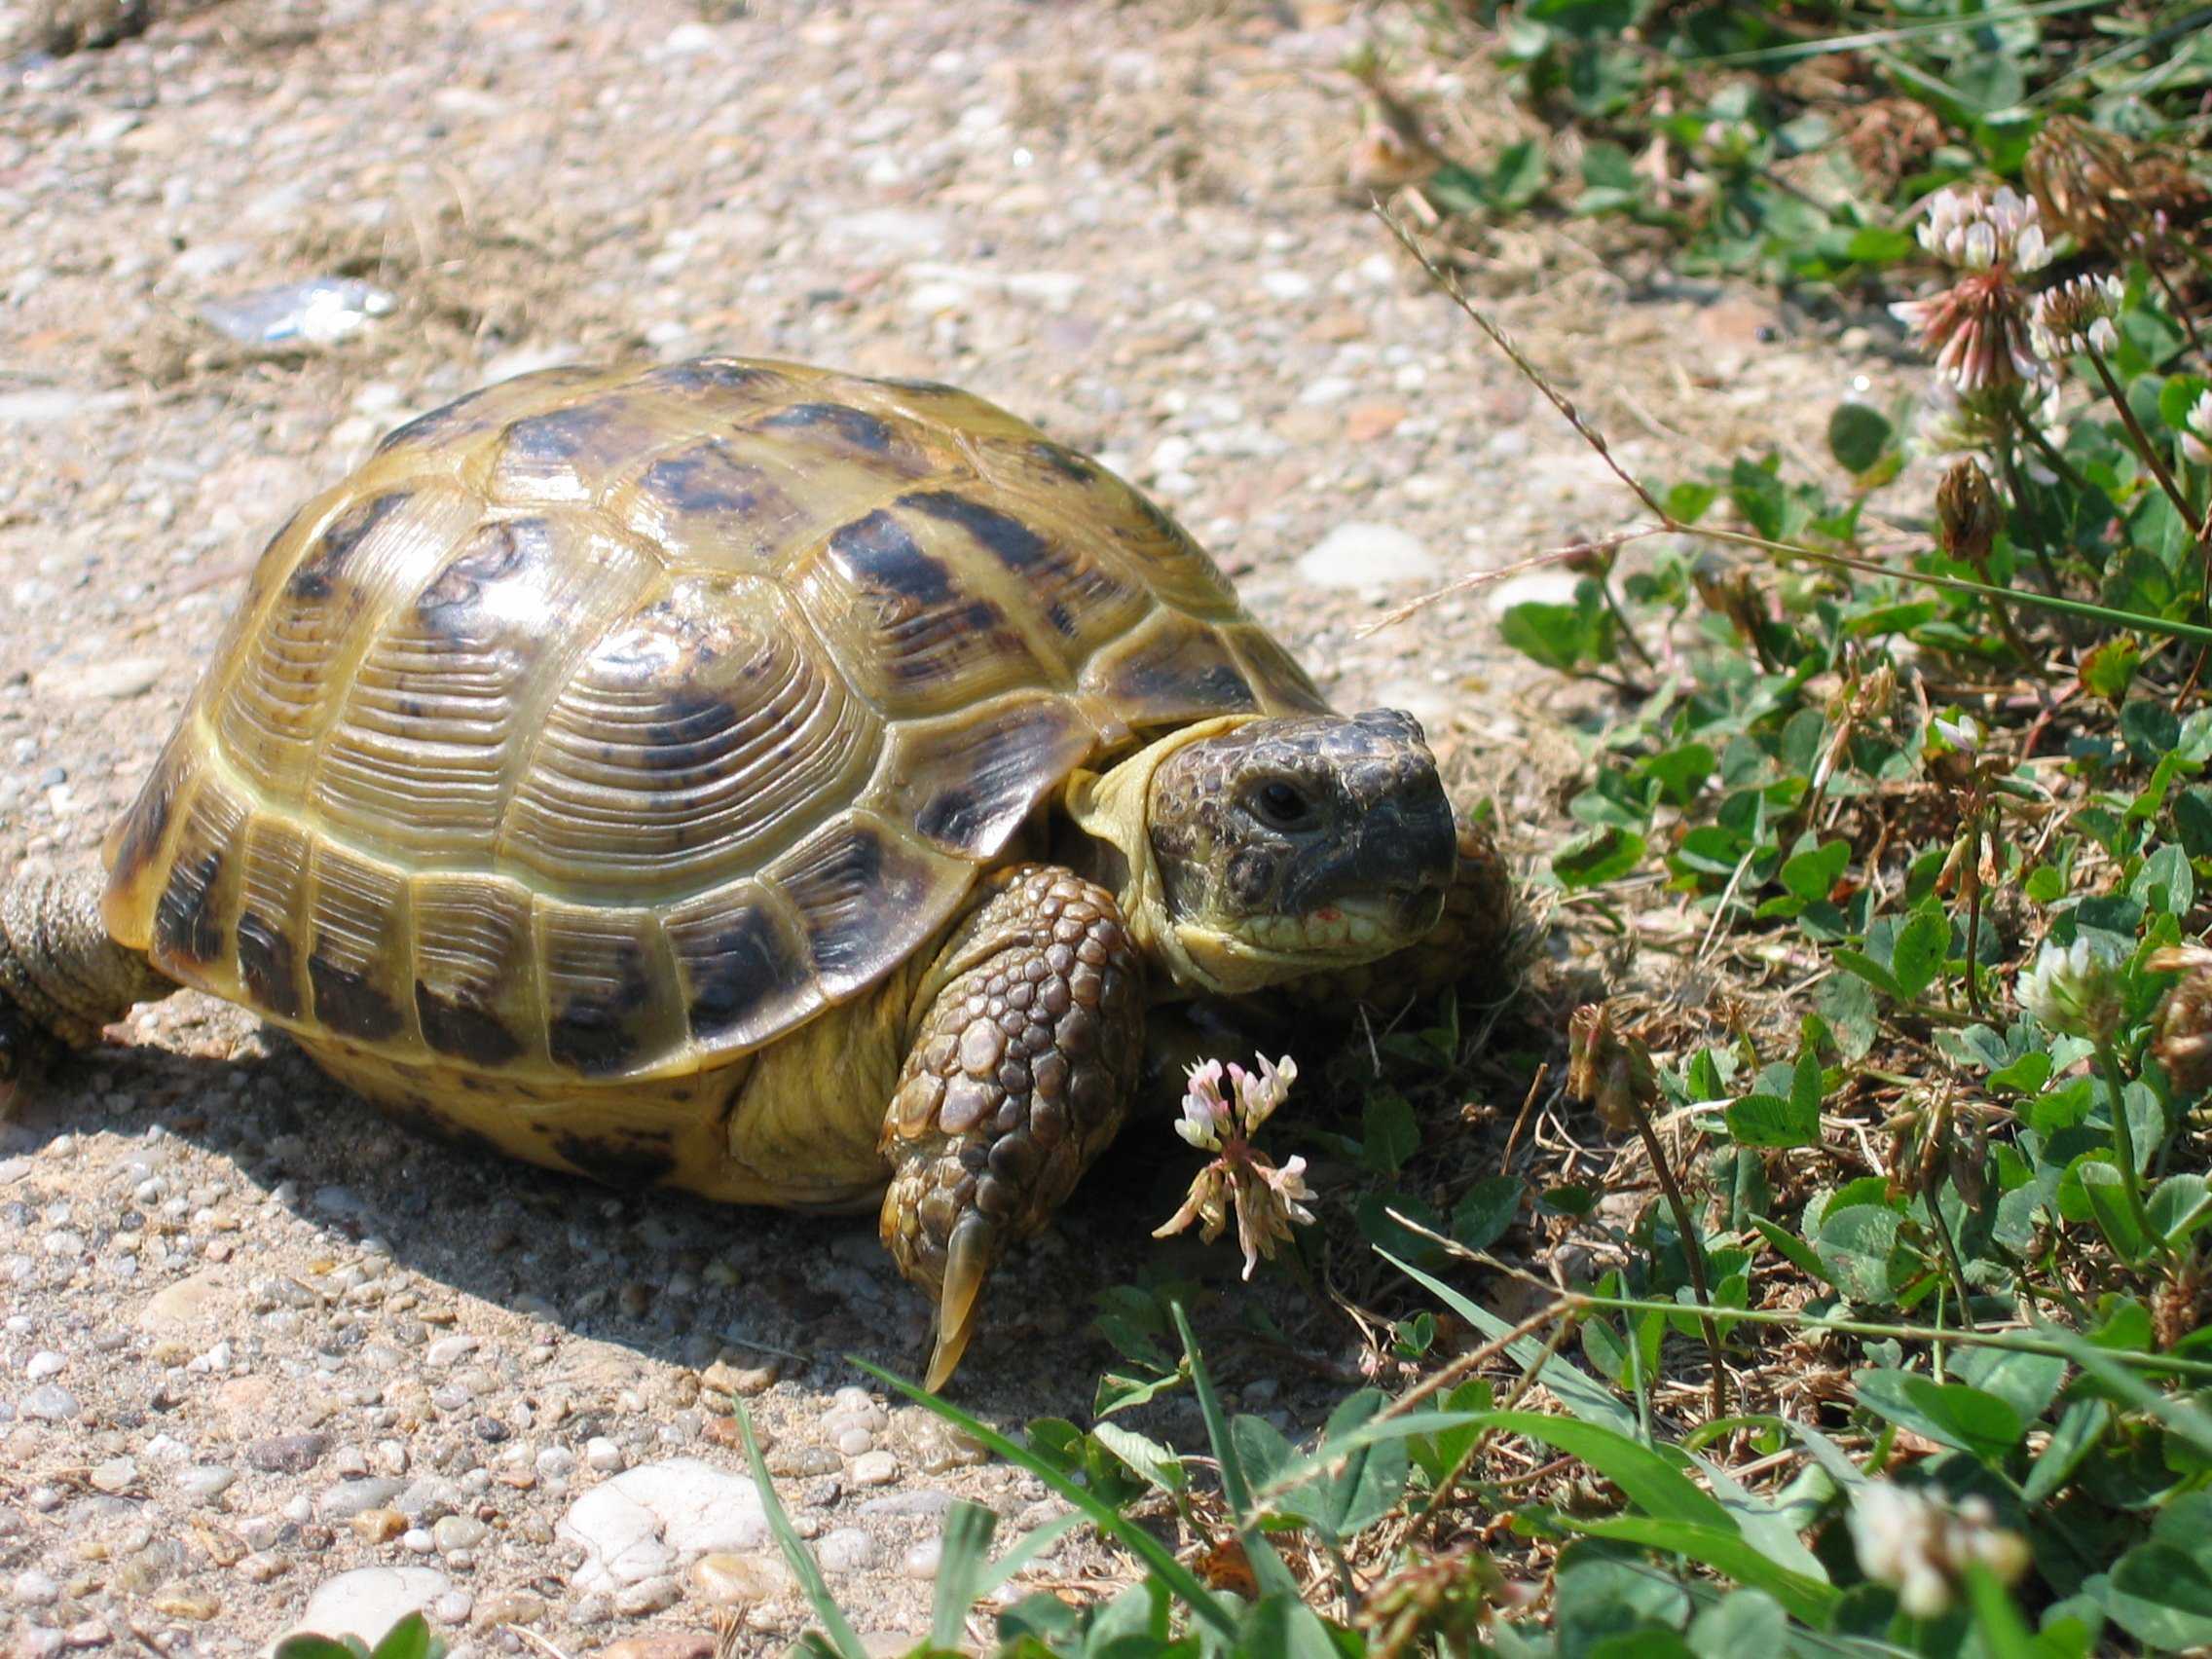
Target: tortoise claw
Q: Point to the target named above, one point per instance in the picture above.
(968, 1261)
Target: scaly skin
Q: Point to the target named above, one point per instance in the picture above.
(1023, 1063)
(61, 978)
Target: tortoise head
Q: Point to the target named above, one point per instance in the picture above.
(1287, 845)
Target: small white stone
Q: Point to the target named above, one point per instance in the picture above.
(847, 1549)
(1363, 555)
(44, 1364)
(1285, 284)
(603, 1455)
(876, 1469)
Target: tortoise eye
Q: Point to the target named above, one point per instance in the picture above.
(1281, 806)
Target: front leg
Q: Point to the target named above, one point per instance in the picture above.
(1027, 1043)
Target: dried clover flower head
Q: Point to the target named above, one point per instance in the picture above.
(1968, 517)
(1978, 328)
(2072, 989)
(1607, 1068)
(2197, 430)
(2116, 196)
(1920, 1546)
(2183, 1040)
(2077, 316)
(1265, 1200)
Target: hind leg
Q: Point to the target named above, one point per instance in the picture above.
(61, 978)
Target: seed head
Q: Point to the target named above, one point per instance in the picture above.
(1967, 516)
(2184, 1031)
(1978, 328)
(2075, 317)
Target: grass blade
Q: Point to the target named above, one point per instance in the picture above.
(1266, 1566)
(1724, 1551)
(809, 1574)
(965, 1558)
(1134, 1538)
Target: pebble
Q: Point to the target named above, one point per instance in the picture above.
(43, 1365)
(453, 1607)
(369, 1601)
(260, 1532)
(379, 1525)
(35, 1589)
(662, 1644)
(1363, 555)
(603, 1455)
(116, 1475)
(877, 1468)
(636, 1526)
(847, 1549)
(927, 1502)
(350, 1498)
(203, 1483)
(447, 1350)
(854, 1442)
(923, 1560)
(418, 1540)
(646, 1596)
(510, 1608)
(287, 1453)
(459, 1533)
(739, 1580)
(50, 1403)
(117, 678)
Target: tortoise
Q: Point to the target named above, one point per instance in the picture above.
(778, 783)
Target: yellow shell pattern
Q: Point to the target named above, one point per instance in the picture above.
(612, 724)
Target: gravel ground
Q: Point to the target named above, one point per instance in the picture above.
(259, 1346)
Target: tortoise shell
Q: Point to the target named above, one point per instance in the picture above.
(612, 724)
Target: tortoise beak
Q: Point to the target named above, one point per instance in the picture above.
(968, 1256)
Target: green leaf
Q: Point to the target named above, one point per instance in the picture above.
(1561, 637)
(1652, 1484)
(1373, 1477)
(2178, 1206)
(827, 1613)
(1153, 1461)
(1848, 1006)
(1518, 176)
(1485, 1211)
(1281, 1623)
(1857, 434)
(1598, 856)
(1793, 1249)
(1389, 1134)
(1870, 970)
(308, 1646)
(2003, 1633)
(1923, 943)
(1952, 1413)
(1720, 1548)
(1813, 874)
(2162, 1595)
(2104, 1189)
(1569, 1386)
(1859, 1248)
(2081, 1426)
(1768, 1119)
(1744, 1621)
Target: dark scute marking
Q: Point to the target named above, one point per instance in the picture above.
(840, 940)
(338, 541)
(424, 427)
(706, 374)
(185, 924)
(692, 728)
(733, 972)
(633, 1159)
(955, 816)
(419, 1116)
(348, 1004)
(1216, 685)
(704, 480)
(855, 426)
(927, 387)
(1062, 623)
(265, 963)
(562, 434)
(497, 552)
(1065, 460)
(878, 551)
(147, 822)
(593, 1033)
(463, 1030)
(1004, 536)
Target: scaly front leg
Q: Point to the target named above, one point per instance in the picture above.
(1024, 1058)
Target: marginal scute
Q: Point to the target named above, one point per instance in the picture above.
(610, 1002)
(744, 965)
(474, 973)
(967, 783)
(356, 958)
(1170, 671)
(864, 895)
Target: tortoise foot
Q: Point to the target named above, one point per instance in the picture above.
(1020, 1073)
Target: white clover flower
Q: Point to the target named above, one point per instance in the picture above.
(2075, 317)
(1266, 1199)
(2071, 990)
(1920, 1546)
(1961, 732)
(1970, 231)
(2197, 430)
